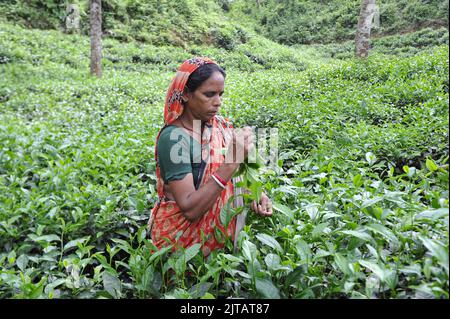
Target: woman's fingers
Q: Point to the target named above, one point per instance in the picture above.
(264, 200)
(257, 208)
(266, 212)
(266, 205)
(254, 206)
(264, 208)
(269, 208)
(243, 143)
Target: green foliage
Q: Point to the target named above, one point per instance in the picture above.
(226, 24)
(166, 22)
(297, 22)
(360, 188)
(399, 45)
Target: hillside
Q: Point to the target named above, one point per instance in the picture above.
(360, 187)
(294, 21)
(158, 22)
(226, 24)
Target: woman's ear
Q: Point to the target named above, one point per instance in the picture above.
(184, 96)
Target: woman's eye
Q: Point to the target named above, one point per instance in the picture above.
(209, 94)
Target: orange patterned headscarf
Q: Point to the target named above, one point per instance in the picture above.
(167, 222)
(174, 107)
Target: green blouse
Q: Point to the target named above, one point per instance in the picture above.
(178, 155)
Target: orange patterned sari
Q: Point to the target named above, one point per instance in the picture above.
(167, 223)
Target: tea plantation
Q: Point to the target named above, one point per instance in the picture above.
(360, 188)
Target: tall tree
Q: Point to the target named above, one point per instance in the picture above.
(362, 38)
(96, 36)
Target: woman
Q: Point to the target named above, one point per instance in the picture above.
(193, 178)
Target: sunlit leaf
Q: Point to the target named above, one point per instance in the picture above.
(192, 251)
(358, 234)
(111, 284)
(438, 250)
(272, 261)
(284, 210)
(267, 289)
(269, 241)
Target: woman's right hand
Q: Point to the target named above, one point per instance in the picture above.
(240, 145)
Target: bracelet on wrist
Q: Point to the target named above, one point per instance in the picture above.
(219, 180)
(223, 181)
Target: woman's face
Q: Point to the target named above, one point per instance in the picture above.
(205, 102)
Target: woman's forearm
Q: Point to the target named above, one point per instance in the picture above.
(197, 203)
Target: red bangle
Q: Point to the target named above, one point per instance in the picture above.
(224, 183)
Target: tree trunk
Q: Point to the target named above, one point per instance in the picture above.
(96, 37)
(362, 38)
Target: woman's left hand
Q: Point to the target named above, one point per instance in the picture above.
(264, 208)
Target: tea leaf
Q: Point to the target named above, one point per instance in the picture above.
(269, 241)
(267, 289)
(112, 284)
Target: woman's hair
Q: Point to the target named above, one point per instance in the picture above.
(201, 75)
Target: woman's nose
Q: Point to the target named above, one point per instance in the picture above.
(217, 100)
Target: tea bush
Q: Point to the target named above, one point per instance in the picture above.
(360, 188)
(306, 22)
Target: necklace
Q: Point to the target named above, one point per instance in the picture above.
(187, 128)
